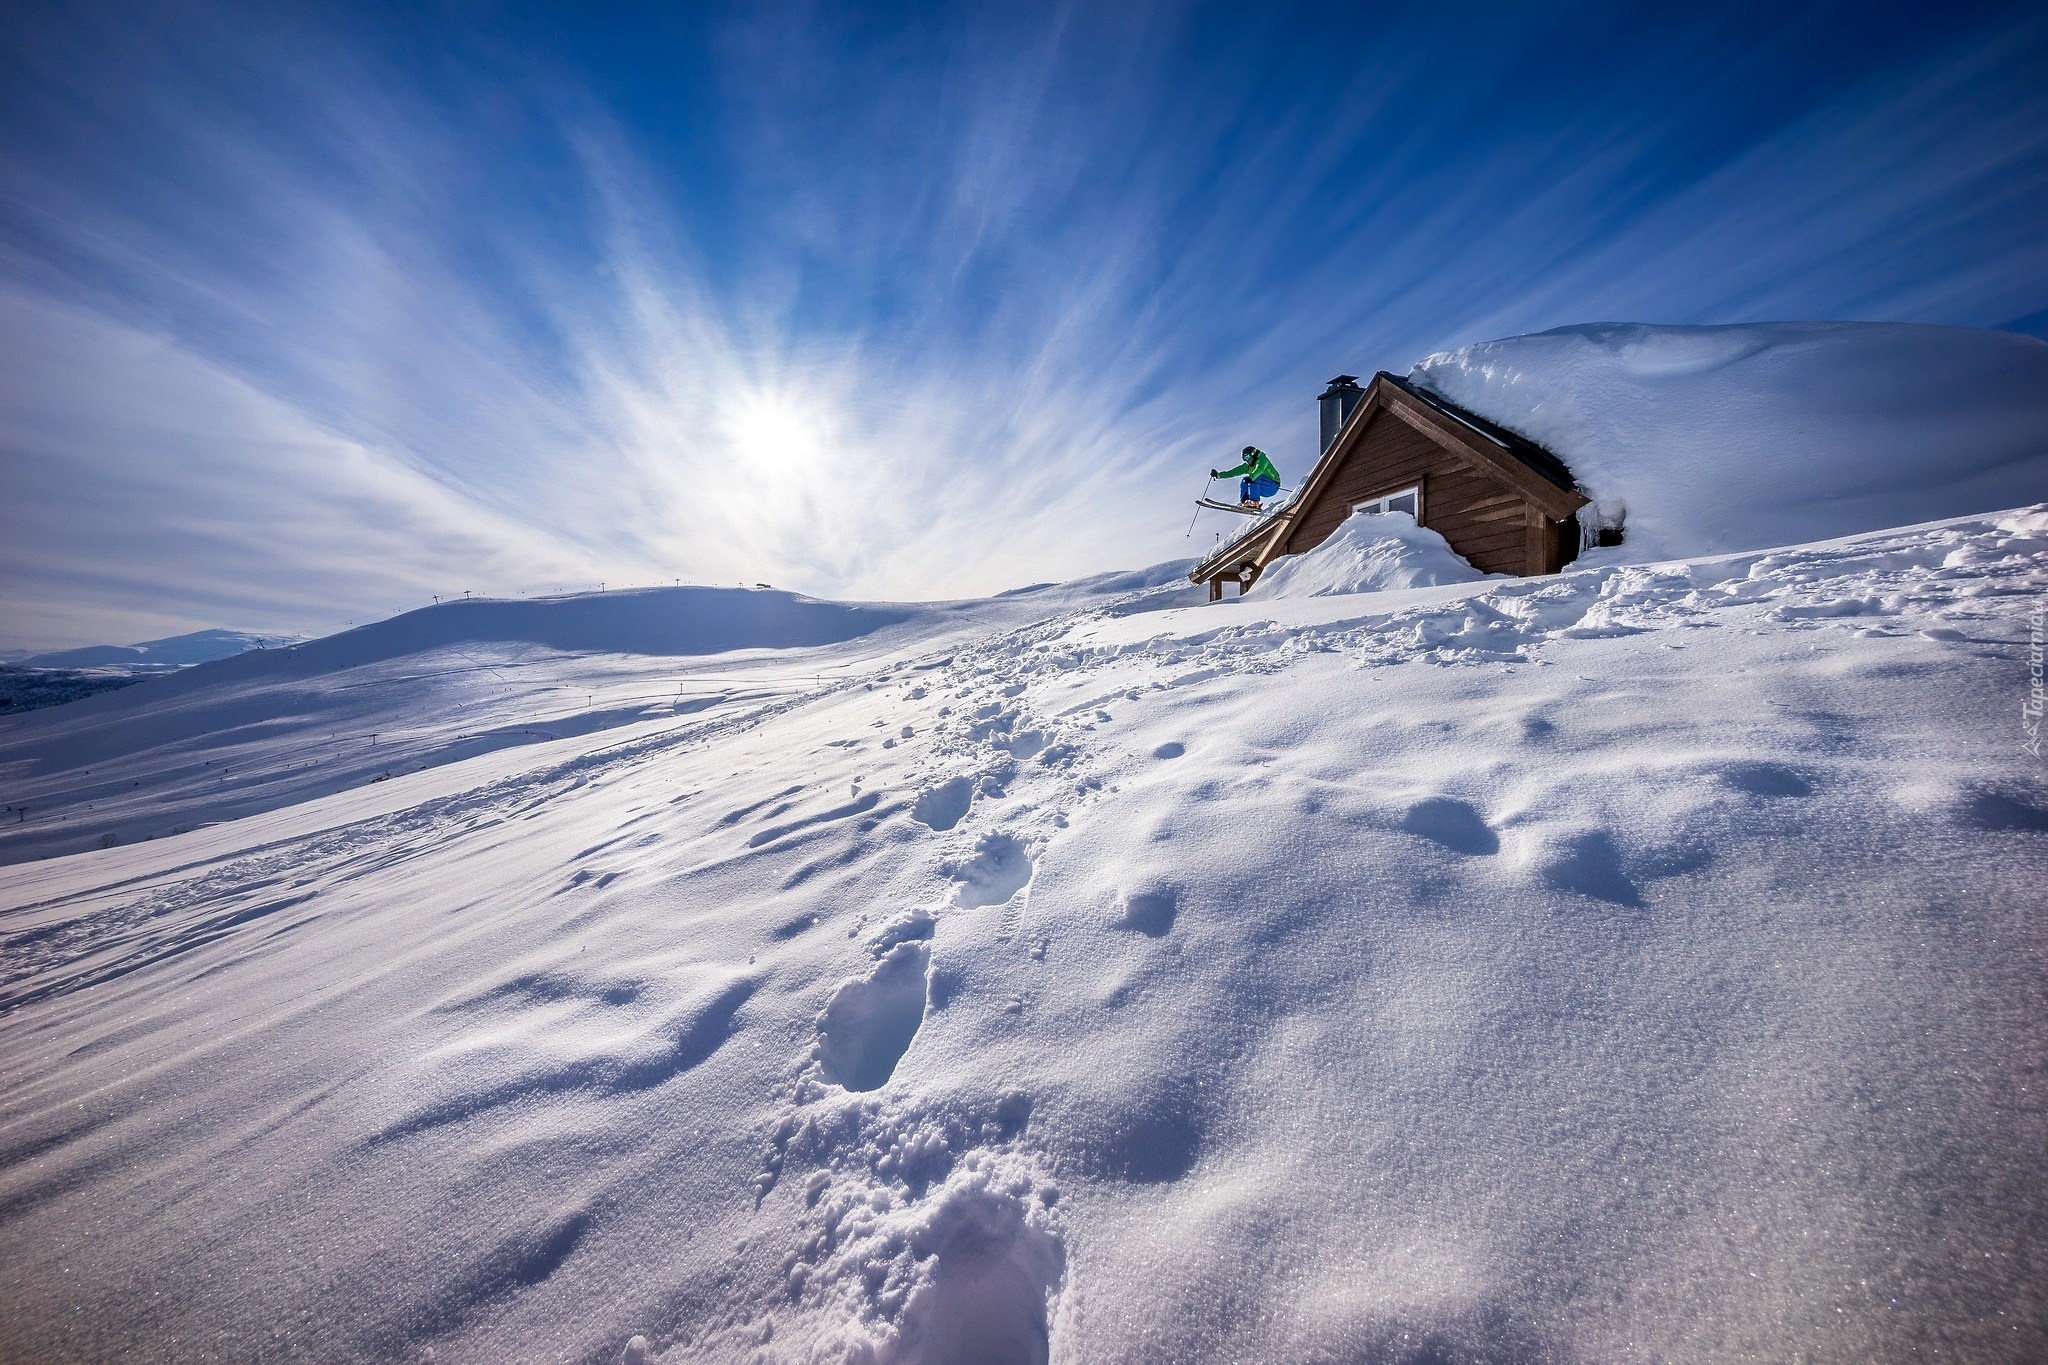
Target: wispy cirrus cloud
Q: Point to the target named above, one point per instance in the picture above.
(871, 306)
(150, 488)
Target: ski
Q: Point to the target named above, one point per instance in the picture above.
(1232, 507)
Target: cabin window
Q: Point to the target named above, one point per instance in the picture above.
(1408, 500)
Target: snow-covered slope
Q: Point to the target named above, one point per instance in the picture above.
(1644, 963)
(269, 728)
(1712, 439)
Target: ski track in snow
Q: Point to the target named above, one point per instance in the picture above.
(1635, 963)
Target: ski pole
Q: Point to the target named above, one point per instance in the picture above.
(1198, 505)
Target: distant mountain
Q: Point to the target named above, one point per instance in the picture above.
(201, 646)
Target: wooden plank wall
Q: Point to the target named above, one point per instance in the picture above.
(1483, 519)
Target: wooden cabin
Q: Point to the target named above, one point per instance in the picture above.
(1502, 501)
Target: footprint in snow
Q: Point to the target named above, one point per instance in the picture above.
(1000, 868)
(1766, 779)
(1997, 811)
(945, 805)
(986, 1250)
(1150, 910)
(1171, 749)
(1024, 743)
(1588, 863)
(986, 1298)
(1457, 825)
(871, 1020)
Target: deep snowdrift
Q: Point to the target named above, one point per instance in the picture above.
(1712, 439)
(1367, 554)
(1643, 963)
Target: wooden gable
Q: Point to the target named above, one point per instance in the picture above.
(1504, 503)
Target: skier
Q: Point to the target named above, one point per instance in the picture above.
(1261, 479)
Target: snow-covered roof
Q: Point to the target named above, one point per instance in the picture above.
(1544, 462)
(1706, 440)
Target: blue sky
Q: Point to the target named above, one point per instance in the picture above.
(306, 316)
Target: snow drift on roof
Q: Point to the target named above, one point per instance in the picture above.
(1705, 440)
(1368, 554)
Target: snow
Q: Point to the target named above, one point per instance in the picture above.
(268, 728)
(1704, 440)
(1393, 964)
(1367, 554)
(176, 651)
(1638, 963)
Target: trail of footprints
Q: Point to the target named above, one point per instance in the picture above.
(988, 748)
(928, 1232)
(916, 1218)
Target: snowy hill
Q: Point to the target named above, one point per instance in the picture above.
(176, 651)
(269, 728)
(1640, 963)
(1705, 440)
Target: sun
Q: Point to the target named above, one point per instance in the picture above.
(773, 436)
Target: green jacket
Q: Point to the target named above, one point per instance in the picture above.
(1255, 467)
